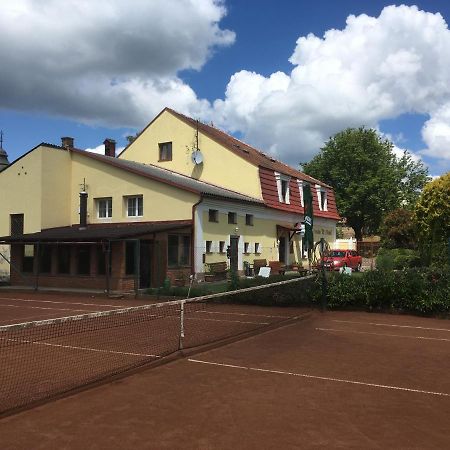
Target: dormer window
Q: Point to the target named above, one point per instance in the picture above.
(300, 188)
(322, 197)
(282, 187)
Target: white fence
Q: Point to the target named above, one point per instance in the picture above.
(345, 244)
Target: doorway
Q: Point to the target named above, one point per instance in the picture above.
(282, 247)
(234, 253)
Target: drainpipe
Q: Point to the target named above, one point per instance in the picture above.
(194, 209)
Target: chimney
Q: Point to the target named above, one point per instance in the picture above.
(110, 147)
(67, 142)
(83, 210)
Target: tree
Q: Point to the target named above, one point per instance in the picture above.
(398, 229)
(432, 215)
(369, 180)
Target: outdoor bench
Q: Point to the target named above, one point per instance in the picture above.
(217, 271)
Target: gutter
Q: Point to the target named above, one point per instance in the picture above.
(194, 210)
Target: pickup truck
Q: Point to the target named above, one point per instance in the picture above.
(343, 258)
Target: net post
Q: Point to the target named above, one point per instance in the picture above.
(181, 337)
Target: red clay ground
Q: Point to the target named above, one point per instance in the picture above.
(334, 380)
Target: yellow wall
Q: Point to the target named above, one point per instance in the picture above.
(220, 167)
(21, 192)
(56, 181)
(161, 201)
(263, 231)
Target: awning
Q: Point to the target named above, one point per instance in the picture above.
(97, 232)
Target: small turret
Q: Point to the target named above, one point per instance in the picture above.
(4, 163)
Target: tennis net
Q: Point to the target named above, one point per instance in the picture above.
(43, 359)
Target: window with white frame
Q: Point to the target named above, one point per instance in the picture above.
(208, 246)
(283, 187)
(135, 206)
(300, 189)
(246, 247)
(322, 197)
(221, 246)
(104, 208)
(257, 248)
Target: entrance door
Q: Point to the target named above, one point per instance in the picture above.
(282, 249)
(234, 253)
(145, 264)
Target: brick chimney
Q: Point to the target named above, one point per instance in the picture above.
(110, 147)
(67, 142)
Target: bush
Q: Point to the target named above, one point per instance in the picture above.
(423, 291)
(397, 259)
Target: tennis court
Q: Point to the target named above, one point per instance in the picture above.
(334, 379)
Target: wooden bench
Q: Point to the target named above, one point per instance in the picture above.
(257, 264)
(217, 271)
(277, 267)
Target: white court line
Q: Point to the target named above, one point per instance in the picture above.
(73, 347)
(384, 334)
(315, 377)
(392, 325)
(225, 320)
(244, 314)
(43, 307)
(64, 303)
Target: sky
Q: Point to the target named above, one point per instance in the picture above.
(284, 76)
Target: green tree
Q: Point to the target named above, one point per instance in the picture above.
(399, 230)
(432, 215)
(369, 180)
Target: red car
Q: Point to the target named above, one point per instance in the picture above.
(343, 258)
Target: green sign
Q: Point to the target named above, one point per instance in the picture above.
(308, 202)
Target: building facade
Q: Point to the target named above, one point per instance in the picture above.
(169, 205)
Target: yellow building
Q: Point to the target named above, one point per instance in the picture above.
(171, 203)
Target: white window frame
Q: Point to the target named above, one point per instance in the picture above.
(208, 247)
(107, 208)
(246, 248)
(257, 248)
(138, 199)
(279, 177)
(300, 188)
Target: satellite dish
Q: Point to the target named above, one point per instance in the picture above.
(197, 157)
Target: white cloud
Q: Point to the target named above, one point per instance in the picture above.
(106, 61)
(373, 69)
(436, 134)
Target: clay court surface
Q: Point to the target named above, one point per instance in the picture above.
(325, 380)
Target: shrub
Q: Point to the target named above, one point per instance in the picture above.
(397, 258)
(423, 291)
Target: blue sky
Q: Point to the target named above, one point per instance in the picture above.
(96, 69)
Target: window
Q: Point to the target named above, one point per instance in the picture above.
(208, 246)
(84, 260)
(130, 257)
(63, 255)
(104, 208)
(257, 248)
(213, 215)
(135, 206)
(249, 219)
(178, 250)
(28, 258)
(322, 198)
(300, 188)
(246, 247)
(101, 261)
(16, 223)
(45, 259)
(221, 246)
(282, 187)
(165, 151)
(232, 217)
